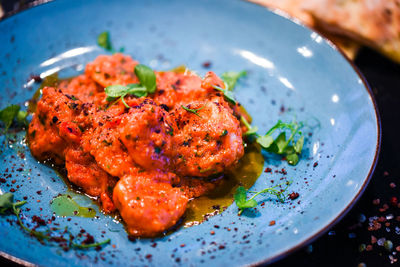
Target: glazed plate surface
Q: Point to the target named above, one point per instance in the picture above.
(292, 72)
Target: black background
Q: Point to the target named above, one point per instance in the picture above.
(340, 246)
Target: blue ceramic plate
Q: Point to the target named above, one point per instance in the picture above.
(292, 71)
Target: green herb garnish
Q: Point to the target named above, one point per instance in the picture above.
(147, 85)
(224, 132)
(146, 77)
(251, 130)
(194, 111)
(229, 96)
(103, 40)
(243, 203)
(7, 205)
(230, 78)
(289, 148)
(11, 113)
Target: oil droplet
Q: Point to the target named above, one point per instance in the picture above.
(246, 173)
(65, 205)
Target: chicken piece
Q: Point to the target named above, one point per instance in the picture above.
(83, 171)
(175, 89)
(55, 124)
(208, 139)
(102, 141)
(45, 143)
(148, 207)
(82, 88)
(113, 69)
(146, 131)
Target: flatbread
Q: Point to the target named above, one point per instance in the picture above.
(374, 23)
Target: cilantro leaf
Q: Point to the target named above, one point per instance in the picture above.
(136, 90)
(243, 203)
(292, 159)
(103, 40)
(116, 90)
(21, 117)
(227, 94)
(6, 202)
(265, 140)
(11, 113)
(147, 85)
(146, 77)
(299, 145)
(8, 114)
(240, 199)
(194, 111)
(289, 148)
(231, 78)
(251, 131)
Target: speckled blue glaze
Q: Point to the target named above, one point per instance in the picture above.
(289, 67)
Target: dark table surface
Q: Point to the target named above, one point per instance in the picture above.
(369, 235)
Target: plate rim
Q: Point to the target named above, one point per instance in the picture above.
(343, 212)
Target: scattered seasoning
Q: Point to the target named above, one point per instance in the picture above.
(271, 223)
(36, 78)
(206, 64)
(293, 195)
(51, 235)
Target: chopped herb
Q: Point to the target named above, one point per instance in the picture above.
(227, 94)
(194, 111)
(93, 245)
(243, 203)
(225, 132)
(146, 77)
(170, 131)
(21, 117)
(103, 40)
(7, 205)
(250, 129)
(231, 78)
(289, 148)
(147, 85)
(11, 113)
(157, 150)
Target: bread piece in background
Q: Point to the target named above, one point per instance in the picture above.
(374, 23)
(292, 7)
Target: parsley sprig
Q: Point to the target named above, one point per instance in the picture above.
(12, 113)
(7, 205)
(290, 148)
(194, 110)
(243, 203)
(147, 85)
(104, 41)
(230, 79)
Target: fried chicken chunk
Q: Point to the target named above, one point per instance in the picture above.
(208, 139)
(148, 207)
